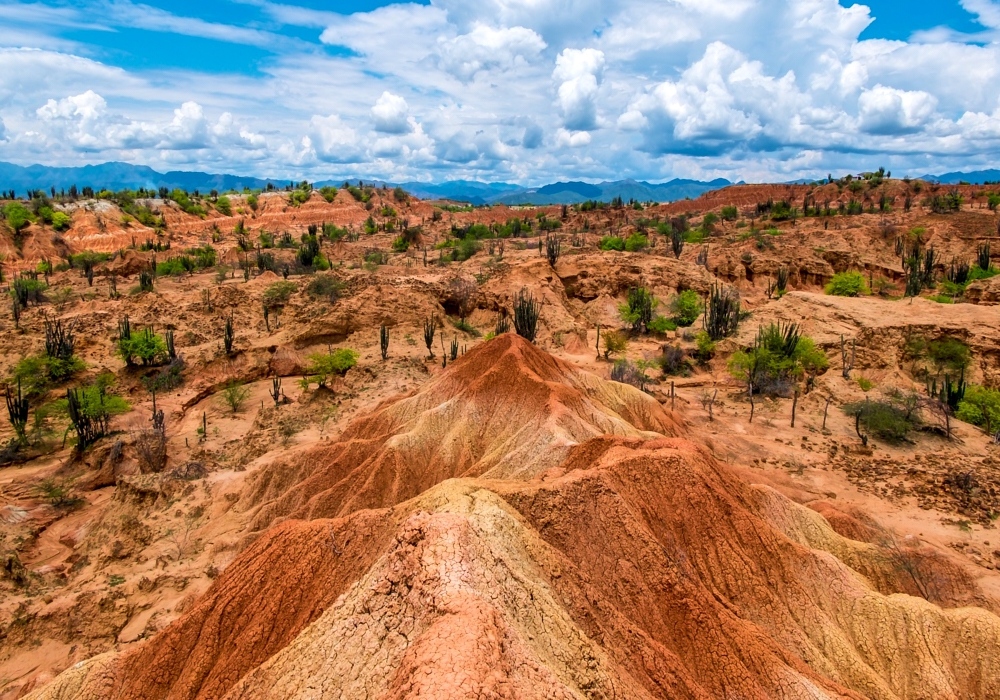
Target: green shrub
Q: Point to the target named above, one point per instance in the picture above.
(661, 325)
(87, 258)
(694, 236)
(465, 249)
(891, 419)
(848, 284)
(779, 358)
(96, 408)
(145, 347)
(278, 294)
(636, 242)
(325, 286)
(252, 202)
(234, 394)
(185, 203)
(224, 205)
(612, 243)
(37, 373)
(400, 244)
(686, 307)
(16, 215)
(981, 407)
(705, 347)
(615, 343)
(172, 267)
(949, 354)
(60, 221)
(204, 257)
(978, 273)
(298, 198)
(729, 213)
(325, 366)
(637, 311)
(328, 193)
(28, 290)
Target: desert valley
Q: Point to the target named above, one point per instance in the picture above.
(347, 443)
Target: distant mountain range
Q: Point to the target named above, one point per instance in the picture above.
(118, 176)
(563, 192)
(976, 177)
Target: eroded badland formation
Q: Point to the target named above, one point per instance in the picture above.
(505, 519)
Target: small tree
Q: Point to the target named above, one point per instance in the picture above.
(615, 343)
(234, 394)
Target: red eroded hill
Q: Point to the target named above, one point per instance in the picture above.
(567, 563)
(505, 410)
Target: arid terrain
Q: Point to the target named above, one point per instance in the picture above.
(614, 510)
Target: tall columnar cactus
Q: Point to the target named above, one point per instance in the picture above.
(983, 256)
(383, 339)
(276, 391)
(553, 248)
(17, 412)
(722, 313)
(430, 325)
(59, 342)
(526, 314)
(228, 335)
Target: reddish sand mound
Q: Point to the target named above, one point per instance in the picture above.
(639, 567)
(506, 409)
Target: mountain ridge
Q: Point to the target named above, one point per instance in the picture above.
(118, 175)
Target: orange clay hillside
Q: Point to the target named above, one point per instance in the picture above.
(740, 446)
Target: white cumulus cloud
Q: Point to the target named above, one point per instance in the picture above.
(390, 115)
(579, 72)
(486, 48)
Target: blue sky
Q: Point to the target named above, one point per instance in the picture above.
(517, 90)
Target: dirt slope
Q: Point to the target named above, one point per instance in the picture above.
(502, 411)
(638, 566)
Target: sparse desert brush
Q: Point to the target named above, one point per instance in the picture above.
(615, 343)
(279, 294)
(234, 394)
(890, 419)
(325, 287)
